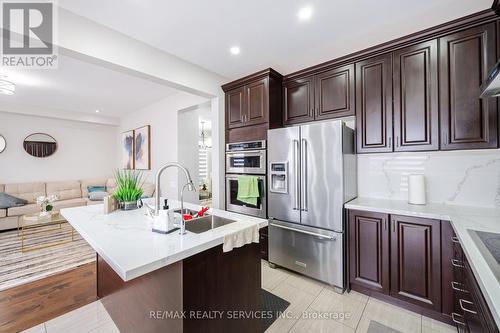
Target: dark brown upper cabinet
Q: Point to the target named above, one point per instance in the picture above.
(298, 97)
(234, 107)
(326, 95)
(369, 250)
(334, 93)
(467, 122)
(416, 261)
(374, 104)
(254, 100)
(416, 108)
(257, 104)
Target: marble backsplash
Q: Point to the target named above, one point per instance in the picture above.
(456, 177)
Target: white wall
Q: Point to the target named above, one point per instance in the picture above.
(162, 116)
(83, 38)
(455, 177)
(84, 150)
(188, 140)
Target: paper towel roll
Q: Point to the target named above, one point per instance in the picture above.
(416, 189)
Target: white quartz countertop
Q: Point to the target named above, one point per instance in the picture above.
(462, 218)
(125, 241)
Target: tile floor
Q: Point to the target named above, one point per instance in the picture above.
(309, 300)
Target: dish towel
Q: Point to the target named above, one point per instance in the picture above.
(240, 238)
(248, 189)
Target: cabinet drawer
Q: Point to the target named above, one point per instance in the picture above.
(298, 248)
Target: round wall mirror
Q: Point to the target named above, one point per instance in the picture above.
(40, 145)
(3, 144)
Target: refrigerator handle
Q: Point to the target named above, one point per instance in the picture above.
(296, 162)
(304, 173)
(304, 232)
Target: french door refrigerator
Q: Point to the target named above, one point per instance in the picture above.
(312, 173)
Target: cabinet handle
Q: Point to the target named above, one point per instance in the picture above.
(445, 138)
(397, 140)
(390, 142)
(385, 225)
(393, 226)
(454, 239)
(462, 301)
(457, 263)
(458, 287)
(454, 316)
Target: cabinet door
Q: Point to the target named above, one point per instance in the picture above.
(467, 121)
(374, 104)
(235, 107)
(335, 93)
(416, 261)
(415, 79)
(257, 102)
(369, 250)
(299, 101)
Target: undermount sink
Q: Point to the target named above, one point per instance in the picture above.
(206, 223)
(190, 212)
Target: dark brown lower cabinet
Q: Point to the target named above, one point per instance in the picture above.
(369, 250)
(416, 261)
(402, 260)
(471, 313)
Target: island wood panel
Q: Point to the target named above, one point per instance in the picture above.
(217, 281)
(369, 250)
(208, 281)
(416, 261)
(416, 108)
(467, 122)
(374, 104)
(129, 303)
(33, 303)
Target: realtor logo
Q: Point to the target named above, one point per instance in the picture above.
(28, 34)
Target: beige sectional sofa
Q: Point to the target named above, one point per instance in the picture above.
(69, 193)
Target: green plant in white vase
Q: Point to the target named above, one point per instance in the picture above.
(46, 204)
(128, 188)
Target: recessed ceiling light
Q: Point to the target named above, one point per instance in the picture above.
(305, 13)
(235, 50)
(97, 111)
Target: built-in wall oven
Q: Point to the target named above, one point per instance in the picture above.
(246, 158)
(234, 205)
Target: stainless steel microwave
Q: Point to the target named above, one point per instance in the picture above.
(246, 157)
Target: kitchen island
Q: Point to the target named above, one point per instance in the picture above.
(151, 282)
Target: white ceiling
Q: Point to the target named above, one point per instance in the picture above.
(268, 32)
(80, 87)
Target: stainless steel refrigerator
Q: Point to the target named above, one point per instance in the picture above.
(312, 173)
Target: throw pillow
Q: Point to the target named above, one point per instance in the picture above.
(98, 195)
(7, 201)
(91, 189)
